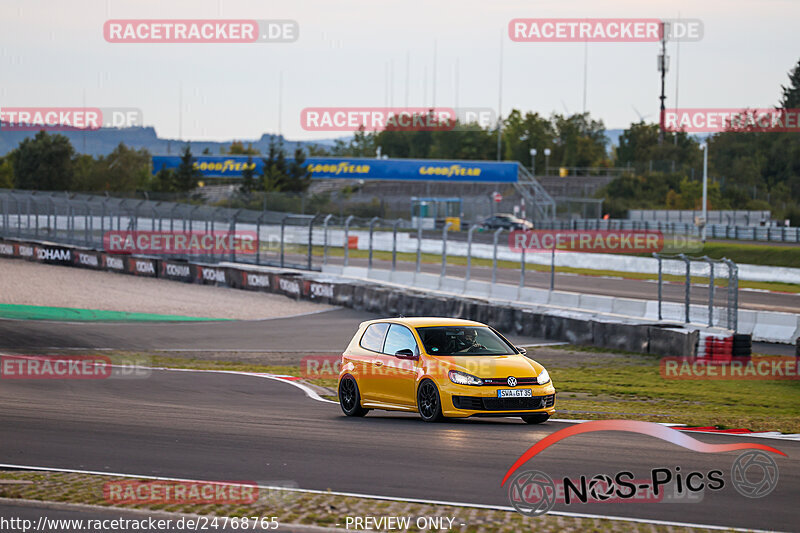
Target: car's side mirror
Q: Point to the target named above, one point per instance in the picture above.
(405, 353)
(522, 350)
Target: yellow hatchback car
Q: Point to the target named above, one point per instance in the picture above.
(441, 367)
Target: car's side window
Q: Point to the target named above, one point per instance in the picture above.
(373, 336)
(400, 338)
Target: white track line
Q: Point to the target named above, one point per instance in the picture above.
(387, 498)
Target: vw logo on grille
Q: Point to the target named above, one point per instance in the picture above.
(512, 381)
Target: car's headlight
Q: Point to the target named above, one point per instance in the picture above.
(543, 377)
(462, 378)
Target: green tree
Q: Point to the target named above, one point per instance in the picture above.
(790, 98)
(6, 173)
(638, 147)
(363, 144)
(299, 175)
(164, 180)
(248, 178)
(187, 175)
(43, 163)
(238, 148)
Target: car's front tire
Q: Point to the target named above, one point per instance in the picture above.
(429, 403)
(535, 419)
(350, 397)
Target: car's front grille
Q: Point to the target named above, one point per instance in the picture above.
(478, 403)
(503, 382)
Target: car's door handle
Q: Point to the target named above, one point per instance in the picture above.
(378, 363)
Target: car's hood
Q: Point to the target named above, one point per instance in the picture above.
(491, 366)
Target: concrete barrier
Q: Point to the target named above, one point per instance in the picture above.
(570, 300)
(776, 327)
(567, 323)
(593, 302)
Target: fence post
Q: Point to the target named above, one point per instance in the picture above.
(232, 235)
(86, 223)
(347, 239)
(687, 301)
(733, 295)
(36, 226)
(710, 291)
(5, 214)
(660, 282)
(311, 239)
(372, 222)
(283, 225)
(70, 223)
(494, 255)
(394, 243)
(522, 267)
(325, 239)
(472, 228)
(553, 268)
(444, 251)
(258, 238)
(28, 213)
(419, 245)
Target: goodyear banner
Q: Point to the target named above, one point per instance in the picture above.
(360, 168)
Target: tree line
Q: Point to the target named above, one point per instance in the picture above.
(748, 169)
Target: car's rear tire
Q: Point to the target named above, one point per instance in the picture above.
(535, 419)
(350, 397)
(429, 403)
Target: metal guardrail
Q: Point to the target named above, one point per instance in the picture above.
(306, 241)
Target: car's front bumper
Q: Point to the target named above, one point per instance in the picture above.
(460, 401)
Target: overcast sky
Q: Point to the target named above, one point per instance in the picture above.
(52, 53)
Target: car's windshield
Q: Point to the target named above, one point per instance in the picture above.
(463, 340)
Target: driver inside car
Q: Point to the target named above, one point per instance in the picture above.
(469, 341)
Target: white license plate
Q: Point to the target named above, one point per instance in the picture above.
(514, 393)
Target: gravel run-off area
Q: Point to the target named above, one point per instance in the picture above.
(27, 283)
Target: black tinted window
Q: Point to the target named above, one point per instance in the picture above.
(373, 337)
(463, 340)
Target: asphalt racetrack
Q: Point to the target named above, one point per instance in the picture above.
(213, 426)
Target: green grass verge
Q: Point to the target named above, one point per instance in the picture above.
(755, 254)
(631, 386)
(37, 312)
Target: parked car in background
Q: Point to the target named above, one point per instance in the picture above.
(507, 221)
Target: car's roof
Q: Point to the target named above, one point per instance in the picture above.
(423, 321)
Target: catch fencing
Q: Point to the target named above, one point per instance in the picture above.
(310, 242)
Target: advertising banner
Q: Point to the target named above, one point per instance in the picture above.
(359, 168)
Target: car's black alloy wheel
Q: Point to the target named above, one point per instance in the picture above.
(428, 402)
(349, 397)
